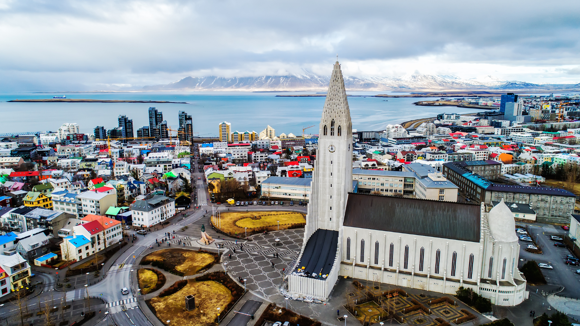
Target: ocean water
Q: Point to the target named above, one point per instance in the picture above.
(245, 111)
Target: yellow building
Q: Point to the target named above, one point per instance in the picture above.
(37, 199)
(224, 131)
(243, 137)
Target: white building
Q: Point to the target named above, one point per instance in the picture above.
(423, 244)
(68, 128)
(48, 138)
(297, 189)
(96, 201)
(395, 131)
(152, 211)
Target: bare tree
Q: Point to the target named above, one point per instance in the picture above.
(21, 304)
(46, 313)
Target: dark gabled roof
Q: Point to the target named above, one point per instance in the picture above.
(23, 210)
(576, 217)
(414, 216)
(531, 190)
(517, 208)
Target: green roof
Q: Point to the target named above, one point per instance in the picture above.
(170, 174)
(42, 186)
(113, 210)
(32, 196)
(216, 175)
(99, 185)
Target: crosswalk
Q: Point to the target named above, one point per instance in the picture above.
(121, 302)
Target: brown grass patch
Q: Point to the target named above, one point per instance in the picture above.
(150, 280)
(182, 261)
(91, 262)
(236, 222)
(209, 295)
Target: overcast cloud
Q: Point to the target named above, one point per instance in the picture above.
(102, 44)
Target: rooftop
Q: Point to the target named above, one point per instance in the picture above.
(305, 182)
(78, 241)
(93, 227)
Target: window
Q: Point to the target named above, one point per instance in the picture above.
(391, 253)
(503, 268)
(332, 127)
(347, 248)
(406, 258)
(339, 131)
(325, 130)
(362, 251)
(453, 263)
(421, 258)
(376, 246)
(437, 260)
(490, 267)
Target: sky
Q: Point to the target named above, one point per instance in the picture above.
(81, 45)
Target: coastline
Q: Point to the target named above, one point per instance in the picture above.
(455, 104)
(67, 100)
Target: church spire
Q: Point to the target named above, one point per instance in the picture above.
(336, 104)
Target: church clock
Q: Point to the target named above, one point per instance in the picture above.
(331, 148)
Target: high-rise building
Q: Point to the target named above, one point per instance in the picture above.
(126, 126)
(185, 126)
(143, 132)
(224, 131)
(68, 128)
(507, 98)
(162, 130)
(115, 133)
(100, 132)
(268, 133)
(155, 119)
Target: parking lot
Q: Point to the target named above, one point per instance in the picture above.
(561, 274)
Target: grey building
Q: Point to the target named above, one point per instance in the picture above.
(100, 132)
(185, 126)
(126, 126)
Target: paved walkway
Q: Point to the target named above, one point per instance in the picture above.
(569, 306)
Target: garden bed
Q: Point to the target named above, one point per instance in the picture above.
(238, 224)
(150, 280)
(181, 262)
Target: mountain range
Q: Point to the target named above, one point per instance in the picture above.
(414, 82)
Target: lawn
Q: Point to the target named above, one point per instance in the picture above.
(209, 295)
(236, 222)
(185, 262)
(149, 280)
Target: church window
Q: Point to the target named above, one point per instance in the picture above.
(362, 251)
(513, 265)
(470, 267)
(453, 263)
(490, 267)
(437, 260)
(339, 129)
(391, 254)
(330, 207)
(406, 258)
(421, 258)
(332, 127)
(376, 253)
(503, 268)
(325, 130)
(347, 248)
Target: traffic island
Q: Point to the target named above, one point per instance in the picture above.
(181, 262)
(243, 224)
(150, 280)
(215, 294)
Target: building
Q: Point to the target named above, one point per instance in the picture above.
(65, 201)
(100, 132)
(113, 229)
(386, 183)
(552, 205)
(4, 283)
(155, 119)
(126, 126)
(152, 211)
(10, 162)
(431, 184)
(33, 246)
(93, 231)
(96, 201)
(68, 129)
(423, 244)
(37, 199)
(268, 133)
(46, 219)
(521, 212)
(75, 247)
(143, 132)
(185, 131)
(224, 131)
(17, 269)
(297, 189)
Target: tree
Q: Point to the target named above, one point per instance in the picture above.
(21, 304)
(46, 313)
(120, 195)
(557, 319)
(135, 174)
(186, 186)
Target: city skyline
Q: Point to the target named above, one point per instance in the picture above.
(82, 46)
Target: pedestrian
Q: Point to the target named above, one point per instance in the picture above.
(230, 256)
(337, 312)
(234, 250)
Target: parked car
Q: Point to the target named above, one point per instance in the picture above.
(271, 203)
(255, 203)
(578, 271)
(555, 238)
(124, 291)
(559, 244)
(278, 323)
(571, 262)
(282, 203)
(546, 266)
(532, 247)
(291, 203)
(286, 323)
(521, 231)
(565, 227)
(572, 257)
(237, 203)
(142, 232)
(276, 203)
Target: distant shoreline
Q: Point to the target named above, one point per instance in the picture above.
(450, 103)
(413, 95)
(70, 100)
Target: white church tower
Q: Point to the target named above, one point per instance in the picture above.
(332, 179)
(317, 269)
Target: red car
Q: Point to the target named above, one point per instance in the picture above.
(565, 227)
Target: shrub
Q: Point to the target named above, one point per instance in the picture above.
(557, 318)
(533, 273)
(173, 289)
(500, 322)
(473, 299)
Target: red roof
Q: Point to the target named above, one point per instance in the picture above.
(234, 145)
(154, 180)
(301, 157)
(371, 160)
(24, 174)
(277, 153)
(97, 181)
(93, 227)
(291, 163)
(274, 146)
(102, 189)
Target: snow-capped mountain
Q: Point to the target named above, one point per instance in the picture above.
(313, 82)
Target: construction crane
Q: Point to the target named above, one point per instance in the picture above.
(303, 129)
(181, 142)
(108, 140)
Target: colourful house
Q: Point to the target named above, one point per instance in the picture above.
(37, 199)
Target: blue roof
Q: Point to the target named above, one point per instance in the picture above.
(206, 145)
(8, 237)
(288, 181)
(478, 180)
(46, 257)
(62, 192)
(4, 197)
(78, 241)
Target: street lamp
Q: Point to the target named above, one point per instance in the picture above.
(286, 300)
(278, 225)
(218, 310)
(244, 285)
(345, 319)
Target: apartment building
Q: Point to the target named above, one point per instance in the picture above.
(152, 211)
(96, 201)
(298, 189)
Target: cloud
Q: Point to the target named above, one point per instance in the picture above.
(80, 44)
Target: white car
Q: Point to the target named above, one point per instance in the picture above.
(522, 231)
(532, 247)
(546, 266)
(278, 323)
(124, 291)
(556, 238)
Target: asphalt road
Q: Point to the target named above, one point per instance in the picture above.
(243, 316)
(562, 274)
